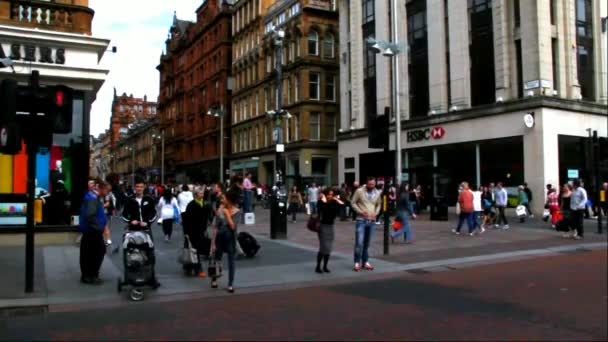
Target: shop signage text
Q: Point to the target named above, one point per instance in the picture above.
(27, 52)
(425, 134)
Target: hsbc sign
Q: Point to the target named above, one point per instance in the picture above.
(434, 133)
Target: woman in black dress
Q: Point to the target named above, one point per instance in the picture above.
(196, 219)
(328, 208)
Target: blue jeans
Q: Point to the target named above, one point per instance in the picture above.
(469, 218)
(313, 207)
(363, 236)
(247, 200)
(225, 242)
(477, 219)
(406, 230)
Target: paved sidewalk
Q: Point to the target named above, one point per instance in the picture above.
(280, 263)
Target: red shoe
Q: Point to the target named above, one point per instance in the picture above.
(369, 267)
(357, 267)
(201, 274)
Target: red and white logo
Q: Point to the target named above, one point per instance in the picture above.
(437, 132)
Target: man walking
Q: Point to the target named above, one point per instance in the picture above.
(93, 222)
(578, 202)
(465, 199)
(247, 193)
(529, 195)
(313, 198)
(367, 203)
(501, 203)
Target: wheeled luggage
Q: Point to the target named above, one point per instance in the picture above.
(138, 264)
(248, 243)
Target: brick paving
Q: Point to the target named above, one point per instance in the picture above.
(432, 239)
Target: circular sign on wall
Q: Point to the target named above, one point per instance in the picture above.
(529, 120)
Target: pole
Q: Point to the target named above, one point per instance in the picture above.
(396, 106)
(222, 148)
(162, 157)
(385, 207)
(31, 196)
(598, 181)
(278, 226)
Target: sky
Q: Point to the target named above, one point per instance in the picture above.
(138, 29)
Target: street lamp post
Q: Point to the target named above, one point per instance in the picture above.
(278, 209)
(218, 112)
(161, 136)
(392, 50)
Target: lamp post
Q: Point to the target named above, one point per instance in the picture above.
(391, 50)
(278, 209)
(161, 136)
(218, 112)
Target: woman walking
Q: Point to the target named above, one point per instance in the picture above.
(553, 205)
(404, 212)
(566, 222)
(328, 208)
(167, 207)
(523, 201)
(295, 202)
(224, 234)
(196, 219)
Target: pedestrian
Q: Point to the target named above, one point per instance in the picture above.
(603, 200)
(139, 210)
(552, 204)
(578, 202)
(168, 207)
(477, 209)
(367, 203)
(465, 200)
(295, 202)
(109, 204)
(487, 201)
(93, 222)
(195, 221)
(224, 234)
(328, 206)
(501, 198)
(522, 199)
(527, 205)
(247, 193)
(565, 224)
(184, 198)
(405, 210)
(313, 198)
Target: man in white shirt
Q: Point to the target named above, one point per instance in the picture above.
(247, 193)
(578, 202)
(502, 199)
(184, 198)
(477, 209)
(313, 198)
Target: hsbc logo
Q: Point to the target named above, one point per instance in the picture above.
(434, 133)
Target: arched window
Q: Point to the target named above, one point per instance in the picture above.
(313, 43)
(328, 45)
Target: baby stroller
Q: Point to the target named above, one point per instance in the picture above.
(138, 262)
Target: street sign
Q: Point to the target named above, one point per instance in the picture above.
(572, 173)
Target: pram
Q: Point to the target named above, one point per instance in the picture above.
(138, 263)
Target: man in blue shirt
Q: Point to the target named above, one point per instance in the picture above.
(93, 222)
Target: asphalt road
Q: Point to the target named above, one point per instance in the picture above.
(551, 298)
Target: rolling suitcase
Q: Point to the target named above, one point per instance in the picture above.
(248, 244)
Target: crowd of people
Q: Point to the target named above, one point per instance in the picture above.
(210, 216)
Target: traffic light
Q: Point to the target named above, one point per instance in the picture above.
(10, 132)
(378, 130)
(61, 104)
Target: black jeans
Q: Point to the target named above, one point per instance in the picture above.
(168, 227)
(225, 242)
(501, 215)
(92, 252)
(577, 221)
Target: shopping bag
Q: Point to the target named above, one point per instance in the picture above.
(520, 211)
(249, 218)
(307, 209)
(314, 224)
(546, 213)
(215, 267)
(187, 255)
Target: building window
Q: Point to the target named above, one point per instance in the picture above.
(315, 126)
(297, 86)
(265, 135)
(331, 126)
(419, 61)
(286, 130)
(349, 163)
(330, 88)
(313, 43)
(257, 137)
(296, 124)
(292, 51)
(257, 104)
(313, 85)
(516, 13)
(266, 99)
(268, 64)
(368, 10)
(298, 52)
(481, 52)
(288, 80)
(584, 52)
(328, 45)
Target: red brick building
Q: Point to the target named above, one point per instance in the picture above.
(194, 78)
(127, 109)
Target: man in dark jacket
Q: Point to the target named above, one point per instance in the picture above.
(196, 219)
(92, 224)
(139, 211)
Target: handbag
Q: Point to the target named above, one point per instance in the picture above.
(520, 211)
(187, 255)
(176, 214)
(215, 268)
(314, 224)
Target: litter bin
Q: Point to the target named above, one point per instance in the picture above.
(278, 216)
(439, 209)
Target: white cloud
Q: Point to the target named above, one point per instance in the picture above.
(138, 29)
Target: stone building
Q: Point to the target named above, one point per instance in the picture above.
(139, 152)
(127, 109)
(194, 79)
(309, 83)
(471, 73)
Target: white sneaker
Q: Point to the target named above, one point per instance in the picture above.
(166, 238)
(483, 230)
(575, 235)
(496, 226)
(531, 216)
(471, 234)
(455, 232)
(505, 227)
(108, 242)
(567, 236)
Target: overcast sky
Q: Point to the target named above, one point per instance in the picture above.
(138, 29)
